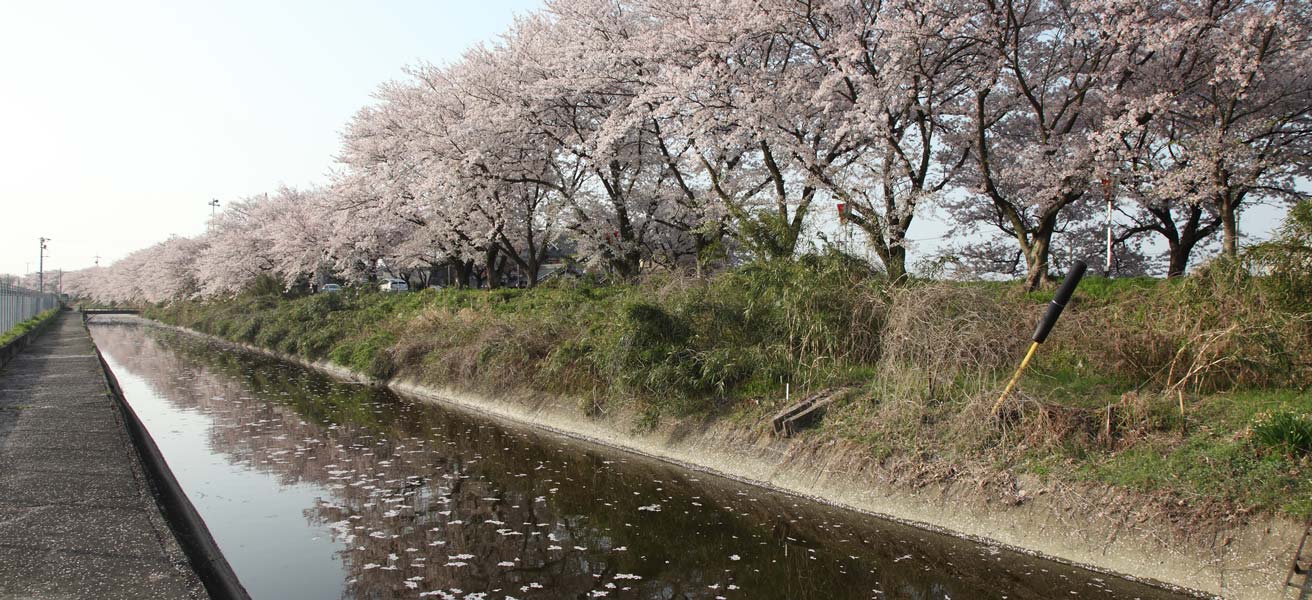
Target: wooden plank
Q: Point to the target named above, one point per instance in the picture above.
(806, 417)
(782, 416)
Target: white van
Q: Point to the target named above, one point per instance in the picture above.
(394, 285)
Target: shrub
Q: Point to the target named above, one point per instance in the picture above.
(1286, 260)
(1286, 432)
(947, 329)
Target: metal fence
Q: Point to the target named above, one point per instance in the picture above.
(20, 304)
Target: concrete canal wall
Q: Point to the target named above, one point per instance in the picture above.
(1094, 526)
(86, 510)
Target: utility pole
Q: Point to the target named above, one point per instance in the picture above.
(214, 205)
(1107, 186)
(97, 260)
(844, 234)
(41, 267)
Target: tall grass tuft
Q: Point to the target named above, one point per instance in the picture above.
(1286, 432)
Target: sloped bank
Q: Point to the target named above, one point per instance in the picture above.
(1095, 526)
(32, 329)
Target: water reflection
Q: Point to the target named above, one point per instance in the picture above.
(402, 500)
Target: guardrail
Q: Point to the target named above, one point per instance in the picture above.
(19, 304)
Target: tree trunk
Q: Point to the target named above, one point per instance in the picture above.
(1178, 256)
(896, 264)
(463, 269)
(1036, 260)
(1229, 228)
(534, 262)
(493, 271)
(632, 264)
(1181, 250)
(892, 253)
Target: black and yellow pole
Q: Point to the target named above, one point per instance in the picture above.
(1045, 326)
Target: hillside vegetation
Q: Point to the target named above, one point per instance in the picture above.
(1194, 388)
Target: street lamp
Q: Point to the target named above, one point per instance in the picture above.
(40, 267)
(214, 205)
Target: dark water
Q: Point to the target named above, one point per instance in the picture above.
(318, 489)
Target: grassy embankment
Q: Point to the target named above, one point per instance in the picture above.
(22, 328)
(1194, 390)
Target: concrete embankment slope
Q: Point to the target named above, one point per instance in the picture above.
(77, 515)
(1093, 526)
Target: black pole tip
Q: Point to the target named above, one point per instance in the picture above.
(1073, 277)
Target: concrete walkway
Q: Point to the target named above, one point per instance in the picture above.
(77, 519)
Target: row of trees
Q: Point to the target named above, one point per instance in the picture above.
(686, 134)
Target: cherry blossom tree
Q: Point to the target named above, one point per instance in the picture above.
(240, 245)
(160, 273)
(1163, 194)
(85, 283)
(898, 69)
(1048, 80)
(1224, 123)
(391, 198)
(168, 269)
(584, 73)
(302, 235)
(513, 182)
(1243, 115)
(747, 94)
(670, 134)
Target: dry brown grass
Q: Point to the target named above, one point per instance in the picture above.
(945, 331)
(476, 348)
(1201, 339)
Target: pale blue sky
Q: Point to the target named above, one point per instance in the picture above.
(120, 120)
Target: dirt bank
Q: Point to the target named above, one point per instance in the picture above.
(1092, 525)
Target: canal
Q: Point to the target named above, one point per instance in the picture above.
(315, 488)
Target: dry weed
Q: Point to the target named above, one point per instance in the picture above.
(946, 330)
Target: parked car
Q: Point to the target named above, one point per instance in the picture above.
(394, 285)
(329, 288)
